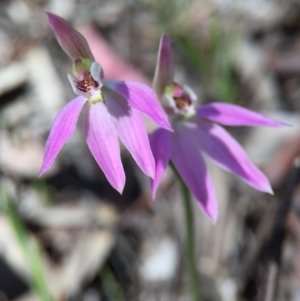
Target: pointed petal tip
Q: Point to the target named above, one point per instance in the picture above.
(52, 19)
(49, 15)
(120, 190)
(164, 124)
(263, 186)
(214, 220)
(41, 173)
(153, 192)
(266, 188)
(169, 127)
(164, 39)
(277, 124)
(45, 167)
(151, 174)
(119, 187)
(282, 124)
(213, 216)
(269, 190)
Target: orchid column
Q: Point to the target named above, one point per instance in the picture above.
(197, 131)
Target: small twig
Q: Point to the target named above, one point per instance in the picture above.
(279, 233)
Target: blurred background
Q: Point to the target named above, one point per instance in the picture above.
(69, 235)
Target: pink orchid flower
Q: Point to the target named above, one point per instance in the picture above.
(113, 109)
(196, 132)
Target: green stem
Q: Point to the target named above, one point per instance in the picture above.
(190, 241)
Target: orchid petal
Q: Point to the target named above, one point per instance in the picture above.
(131, 130)
(103, 143)
(142, 99)
(161, 149)
(62, 128)
(227, 153)
(191, 166)
(164, 72)
(71, 41)
(232, 115)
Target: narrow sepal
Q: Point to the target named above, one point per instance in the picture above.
(131, 130)
(103, 143)
(142, 99)
(225, 151)
(164, 72)
(62, 128)
(161, 149)
(233, 115)
(71, 41)
(191, 167)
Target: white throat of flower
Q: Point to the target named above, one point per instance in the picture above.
(88, 83)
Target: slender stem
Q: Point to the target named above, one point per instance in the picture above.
(190, 241)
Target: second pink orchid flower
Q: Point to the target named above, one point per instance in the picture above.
(196, 133)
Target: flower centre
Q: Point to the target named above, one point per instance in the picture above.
(87, 85)
(182, 102)
(87, 81)
(181, 99)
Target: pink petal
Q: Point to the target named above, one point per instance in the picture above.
(226, 152)
(131, 130)
(164, 72)
(190, 165)
(62, 128)
(232, 115)
(71, 41)
(103, 143)
(161, 149)
(142, 99)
